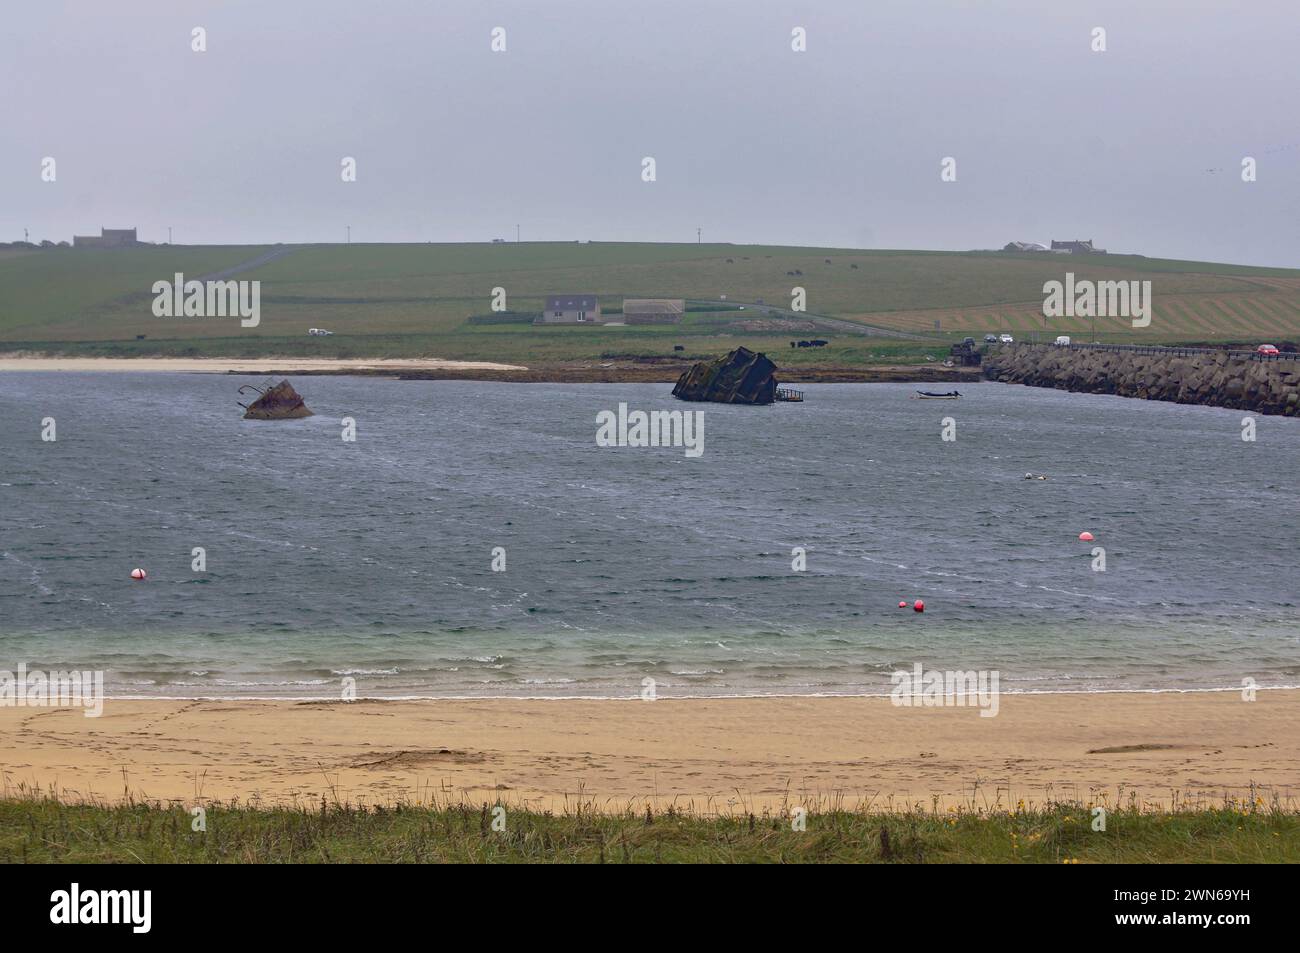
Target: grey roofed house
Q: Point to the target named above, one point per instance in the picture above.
(1077, 247)
(570, 309)
(1024, 246)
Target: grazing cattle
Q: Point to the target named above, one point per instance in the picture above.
(854, 265)
(819, 343)
(678, 347)
(828, 261)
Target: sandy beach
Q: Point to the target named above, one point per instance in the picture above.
(264, 365)
(628, 371)
(710, 755)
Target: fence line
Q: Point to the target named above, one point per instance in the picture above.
(1172, 351)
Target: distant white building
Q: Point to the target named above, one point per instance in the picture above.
(1024, 246)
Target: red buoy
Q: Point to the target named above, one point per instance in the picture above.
(902, 605)
(138, 574)
(918, 605)
(1086, 537)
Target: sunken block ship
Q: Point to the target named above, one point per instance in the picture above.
(277, 402)
(741, 377)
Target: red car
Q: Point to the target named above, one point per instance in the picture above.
(1266, 349)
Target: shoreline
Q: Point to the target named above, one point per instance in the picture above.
(255, 365)
(330, 699)
(407, 369)
(708, 755)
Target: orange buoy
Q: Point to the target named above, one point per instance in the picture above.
(1086, 537)
(918, 605)
(138, 574)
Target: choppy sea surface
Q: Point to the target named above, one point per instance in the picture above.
(372, 559)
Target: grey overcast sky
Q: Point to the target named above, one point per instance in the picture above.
(1139, 147)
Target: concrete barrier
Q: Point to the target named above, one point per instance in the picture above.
(1266, 384)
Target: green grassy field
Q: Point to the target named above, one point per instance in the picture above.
(48, 831)
(415, 300)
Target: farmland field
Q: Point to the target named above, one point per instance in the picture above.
(415, 300)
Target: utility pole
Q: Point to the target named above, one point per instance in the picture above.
(169, 234)
(516, 234)
(698, 239)
(25, 235)
(349, 228)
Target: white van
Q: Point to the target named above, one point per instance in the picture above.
(1063, 341)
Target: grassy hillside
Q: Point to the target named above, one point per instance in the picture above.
(94, 294)
(47, 831)
(414, 300)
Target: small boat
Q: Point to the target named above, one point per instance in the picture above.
(930, 395)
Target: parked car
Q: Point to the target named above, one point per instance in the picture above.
(1266, 349)
(1006, 339)
(318, 332)
(990, 339)
(1063, 340)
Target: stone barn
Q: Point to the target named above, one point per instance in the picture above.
(1077, 247)
(107, 238)
(653, 310)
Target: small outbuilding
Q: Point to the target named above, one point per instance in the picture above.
(653, 310)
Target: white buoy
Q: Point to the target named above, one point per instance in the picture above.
(138, 574)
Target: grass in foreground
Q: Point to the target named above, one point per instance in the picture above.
(49, 831)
